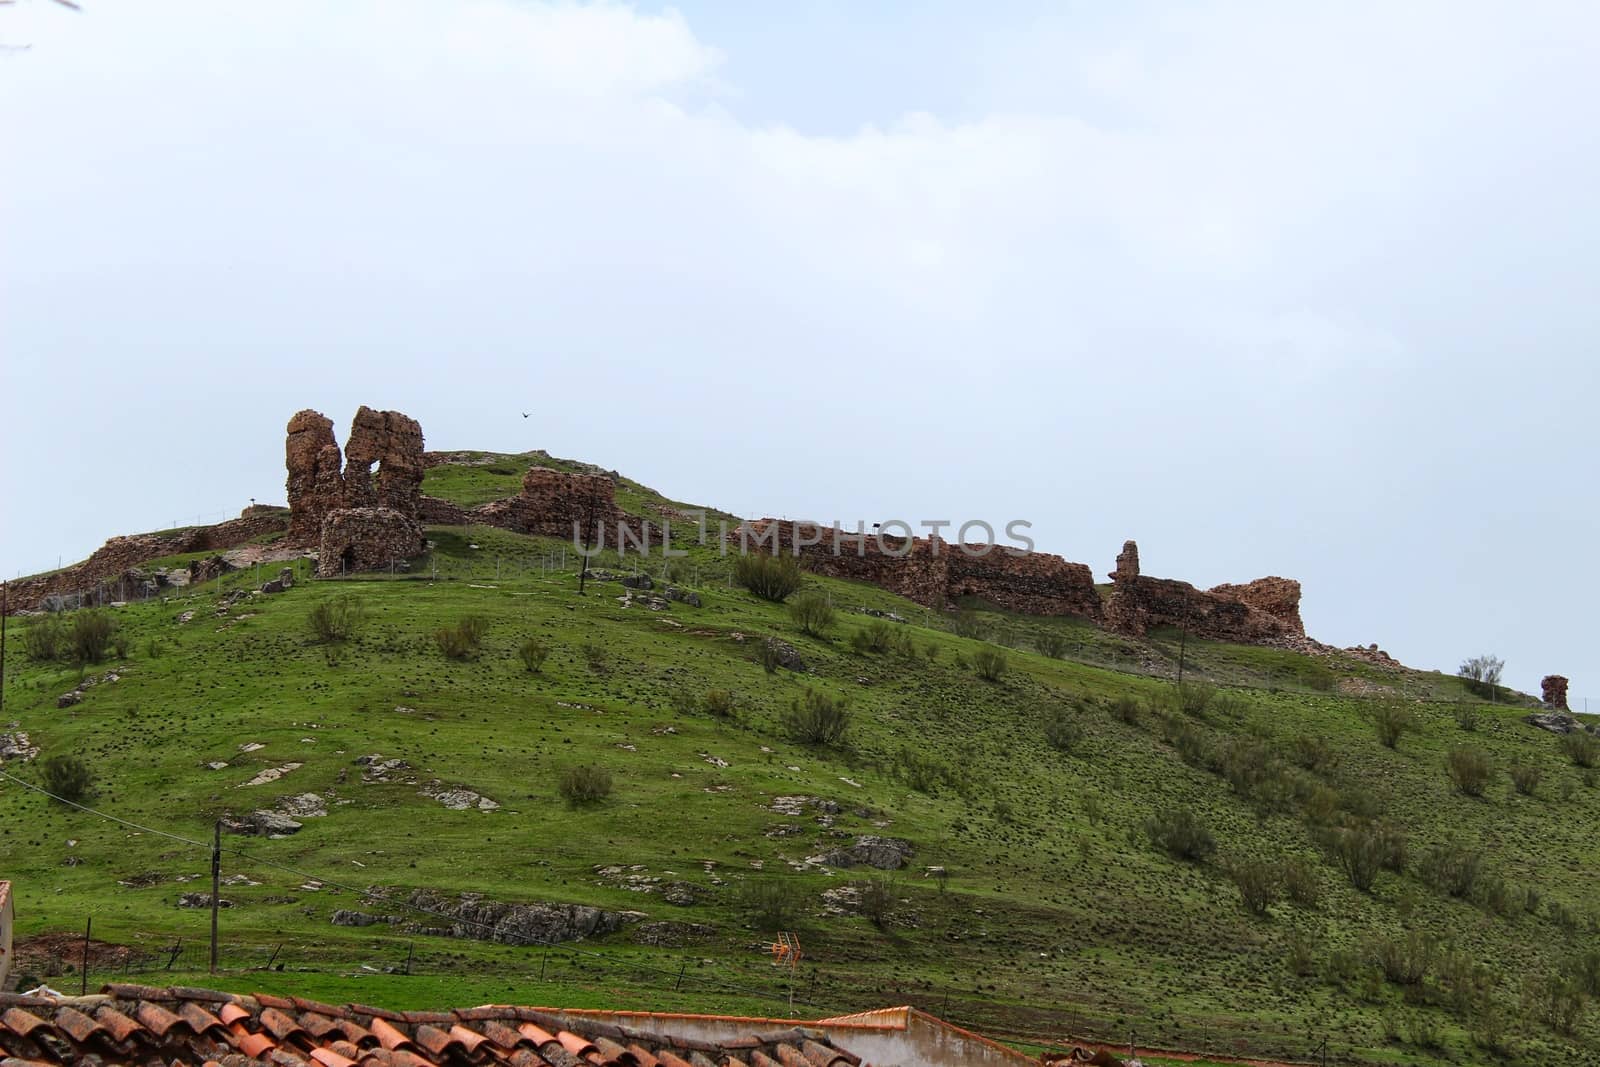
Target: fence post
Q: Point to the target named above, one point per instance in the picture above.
(216, 886)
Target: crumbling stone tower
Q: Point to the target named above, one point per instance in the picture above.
(358, 518)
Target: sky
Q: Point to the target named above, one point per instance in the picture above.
(1272, 288)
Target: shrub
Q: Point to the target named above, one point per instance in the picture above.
(1062, 729)
(1581, 748)
(877, 897)
(1556, 999)
(772, 903)
(1584, 970)
(335, 620)
(1259, 882)
(1300, 882)
(1314, 753)
(1128, 710)
(769, 655)
(772, 578)
(596, 657)
(45, 638)
(1052, 644)
(1450, 869)
(68, 777)
(463, 640)
(684, 700)
(1194, 748)
(818, 719)
(1469, 771)
(1525, 777)
(1180, 834)
(1467, 716)
(990, 663)
(1392, 847)
(966, 623)
(584, 784)
(922, 773)
(813, 612)
(1194, 697)
(91, 636)
(718, 703)
(1403, 960)
(876, 636)
(533, 652)
(1393, 721)
(1301, 955)
(1358, 852)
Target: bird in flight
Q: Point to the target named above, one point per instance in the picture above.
(524, 414)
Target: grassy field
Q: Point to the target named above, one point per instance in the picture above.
(1055, 916)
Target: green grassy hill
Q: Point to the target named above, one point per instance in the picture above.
(1039, 795)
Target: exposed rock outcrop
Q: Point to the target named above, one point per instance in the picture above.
(316, 475)
(1553, 688)
(520, 924)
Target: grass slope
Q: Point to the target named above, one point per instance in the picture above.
(1058, 917)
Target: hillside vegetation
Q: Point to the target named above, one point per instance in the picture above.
(1238, 865)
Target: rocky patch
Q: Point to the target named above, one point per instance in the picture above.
(272, 774)
(458, 799)
(869, 850)
(471, 916)
(261, 823)
(16, 747)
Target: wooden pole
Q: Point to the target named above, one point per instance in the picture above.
(216, 887)
(83, 966)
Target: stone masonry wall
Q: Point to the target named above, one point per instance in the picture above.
(1261, 612)
(366, 539)
(321, 481)
(553, 503)
(106, 573)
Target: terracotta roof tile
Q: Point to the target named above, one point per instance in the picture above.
(129, 1024)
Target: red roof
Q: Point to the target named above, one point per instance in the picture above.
(131, 1024)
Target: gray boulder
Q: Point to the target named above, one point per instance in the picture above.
(869, 850)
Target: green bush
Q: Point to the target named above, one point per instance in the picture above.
(1403, 959)
(1300, 882)
(1128, 710)
(1469, 770)
(68, 777)
(876, 636)
(464, 639)
(818, 719)
(1450, 869)
(335, 620)
(1392, 720)
(1467, 716)
(585, 784)
(1180, 834)
(1062, 729)
(718, 703)
(769, 655)
(813, 612)
(990, 663)
(773, 578)
(45, 638)
(1192, 698)
(1314, 753)
(877, 898)
(773, 903)
(596, 656)
(1581, 748)
(1359, 852)
(1259, 882)
(966, 623)
(921, 772)
(533, 652)
(1052, 644)
(1525, 777)
(91, 636)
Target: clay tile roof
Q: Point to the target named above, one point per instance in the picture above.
(128, 1025)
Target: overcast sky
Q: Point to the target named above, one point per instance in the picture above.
(1274, 288)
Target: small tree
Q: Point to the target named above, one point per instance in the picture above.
(1062, 729)
(1482, 674)
(813, 612)
(772, 578)
(818, 719)
(91, 636)
(533, 652)
(45, 638)
(1259, 882)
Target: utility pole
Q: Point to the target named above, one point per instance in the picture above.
(5, 593)
(216, 887)
(588, 527)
